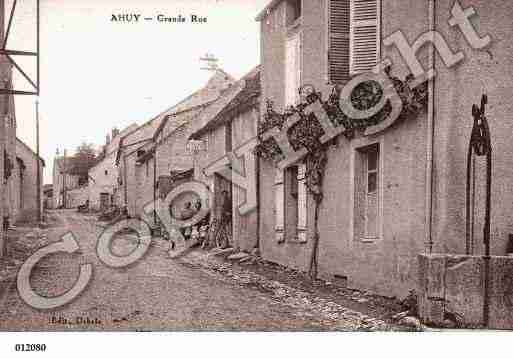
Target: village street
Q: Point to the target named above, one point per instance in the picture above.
(156, 293)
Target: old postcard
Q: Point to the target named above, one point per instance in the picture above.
(255, 166)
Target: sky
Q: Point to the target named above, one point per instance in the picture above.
(97, 74)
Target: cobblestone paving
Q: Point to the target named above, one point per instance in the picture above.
(159, 293)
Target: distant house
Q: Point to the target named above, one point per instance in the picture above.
(231, 122)
(149, 156)
(103, 177)
(69, 189)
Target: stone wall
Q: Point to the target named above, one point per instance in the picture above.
(452, 288)
(26, 191)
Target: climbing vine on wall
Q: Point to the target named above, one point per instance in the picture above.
(307, 131)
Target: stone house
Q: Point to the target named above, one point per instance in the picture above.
(400, 192)
(24, 184)
(162, 141)
(7, 153)
(69, 190)
(233, 124)
(10, 177)
(103, 177)
(7, 135)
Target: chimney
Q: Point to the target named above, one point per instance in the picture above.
(107, 140)
(115, 133)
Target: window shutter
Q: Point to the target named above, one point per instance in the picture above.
(279, 204)
(292, 69)
(338, 41)
(301, 203)
(365, 35)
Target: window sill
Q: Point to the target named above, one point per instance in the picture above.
(297, 240)
(370, 240)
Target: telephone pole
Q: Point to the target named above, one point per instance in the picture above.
(38, 166)
(64, 181)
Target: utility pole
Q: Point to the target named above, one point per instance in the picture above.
(64, 181)
(38, 176)
(211, 62)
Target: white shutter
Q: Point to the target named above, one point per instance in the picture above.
(292, 69)
(338, 41)
(279, 204)
(365, 35)
(301, 203)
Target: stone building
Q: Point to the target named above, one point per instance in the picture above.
(400, 191)
(24, 184)
(103, 177)
(233, 124)
(162, 141)
(69, 190)
(10, 174)
(7, 134)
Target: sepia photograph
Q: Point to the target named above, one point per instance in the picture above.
(231, 169)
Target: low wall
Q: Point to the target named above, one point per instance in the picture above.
(77, 197)
(453, 287)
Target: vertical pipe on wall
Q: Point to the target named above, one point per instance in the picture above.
(38, 169)
(155, 186)
(430, 133)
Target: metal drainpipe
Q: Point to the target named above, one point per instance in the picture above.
(125, 183)
(155, 186)
(430, 135)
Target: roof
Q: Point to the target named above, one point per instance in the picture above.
(59, 162)
(262, 14)
(243, 92)
(175, 116)
(114, 142)
(30, 150)
(211, 92)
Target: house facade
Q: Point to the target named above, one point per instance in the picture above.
(69, 190)
(7, 143)
(149, 156)
(103, 177)
(400, 191)
(24, 185)
(234, 124)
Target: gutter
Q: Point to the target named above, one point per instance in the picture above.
(430, 135)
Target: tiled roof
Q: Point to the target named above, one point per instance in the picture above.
(180, 113)
(245, 90)
(195, 103)
(30, 149)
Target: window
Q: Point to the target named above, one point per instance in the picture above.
(291, 204)
(301, 203)
(228, 137)
(338, 41)
(354, 37)
(292, 69)
(365, 35)
(106, 173)
(279, 205)
(367, 219)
